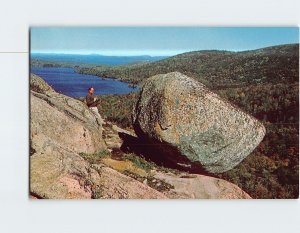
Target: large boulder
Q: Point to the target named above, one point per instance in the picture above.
(192, 125)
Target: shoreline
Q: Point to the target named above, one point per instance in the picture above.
(109, 87)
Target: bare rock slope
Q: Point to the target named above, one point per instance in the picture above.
(61, 129)
(73, 158)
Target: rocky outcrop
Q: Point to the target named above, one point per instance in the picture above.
(62, 174)
(60, 129)
(192, 125)
(114, 185)
(172, 183)
(57, 173)
(73, 158)
(54, 118)
(39, 85)
(64, 120)
(192, 186)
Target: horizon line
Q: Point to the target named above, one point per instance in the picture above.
(133, 53)
(101, 54)
(130, 53)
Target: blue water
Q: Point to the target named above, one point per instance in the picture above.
(70, 83)
(95, 59)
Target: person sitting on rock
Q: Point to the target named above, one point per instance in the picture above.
(92, 103)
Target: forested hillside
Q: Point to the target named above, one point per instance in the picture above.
(216, 69)
(263, 83)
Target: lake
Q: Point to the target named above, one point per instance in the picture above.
(70, 83)
(95, 58)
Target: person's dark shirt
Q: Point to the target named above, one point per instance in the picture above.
(90, 100)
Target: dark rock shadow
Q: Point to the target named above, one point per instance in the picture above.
(156, 152)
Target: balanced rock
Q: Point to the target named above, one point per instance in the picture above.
(192, 125)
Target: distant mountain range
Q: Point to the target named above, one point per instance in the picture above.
(94, 58)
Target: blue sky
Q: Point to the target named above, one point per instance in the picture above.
(156, 41)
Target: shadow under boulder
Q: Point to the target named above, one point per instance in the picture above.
(156, 152)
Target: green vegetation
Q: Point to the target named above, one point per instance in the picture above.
(140, 162)
(272, 170)
(76, 65)
(275, 103)
(263, 83)
(117, 108)
(147, 165)
(95, 158)
(216, 69)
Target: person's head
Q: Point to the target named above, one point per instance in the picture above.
(91, 90)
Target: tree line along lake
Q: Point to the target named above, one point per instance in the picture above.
(68, 82)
